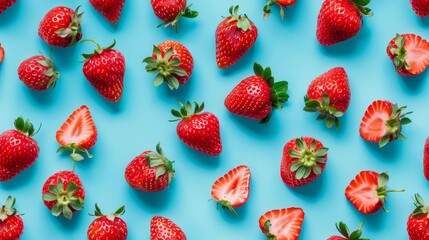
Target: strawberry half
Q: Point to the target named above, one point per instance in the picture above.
(77, 134)
(108, 227)
(282, 224)
(38, 72)
(345, 232)
(420, 7)
(409, 54)
(162, 228)
(382, 122)
(426, 159)
(1, 53)
(110, 9)
(418, 221)
(11, 224)
(232, 189)
(367, 191)
(280, 3)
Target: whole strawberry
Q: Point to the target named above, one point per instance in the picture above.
(171, 11)
(329, 94)
(11, 224)
(340, 20)
(150, 171)
(345, 232)
(1, 53)
(420, 7)
(63, 194)
(256, 96)
(199, 130)
(235, 35)
(38, 72)
(110, 9)
(409, 54)
(304, 159)
(418, 221)
(18, 150)
(5, 4)
(105, 70)
(61, 27)
(108, 227)
(162, 228)
(280, 3)
(172, 62)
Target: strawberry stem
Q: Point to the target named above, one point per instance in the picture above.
(98, 50)
(73, 29)
(242, 21)
(381, 191)
(8, 210)
(97, 212)
(26, 127)
(161, 163)
(187, 13)
(226, 205)
(308, 159)
(267, 10)
(185, 112)
(328, 113)
(360, 5)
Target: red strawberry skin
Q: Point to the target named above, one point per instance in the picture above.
(110, 9)
(285, 224)
(5, 4)
(336, 238)
(420, 7)
(11, 228)
(162, 228)
(18, 152)
(106, 229)
(1, 53)
(105, 72)
(167, 10)
(426, 159)
(417, 227)
(183, 54)
(33, 74)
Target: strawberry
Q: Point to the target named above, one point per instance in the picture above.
(110, 9)
(345, 232)
(171, 11)
(5, 4)
(172, 62)
(1, 53)
(61, 27)
(18, 150)
(200, 131)
(426, 159)
(162, 228)
(329, 94)
(105, 70)
(256, 96)
(418, 221)
(107, 227)
(38, 72)
(304, 160)
(382, 122)
(367, 191)
(63, 193)
(282, 224)
(235, 35)
(280, 3)
(340, 20)
(409, 54)
(150, 171)
(420, 7)
(77, 134)
(11, 224)
(232, 189)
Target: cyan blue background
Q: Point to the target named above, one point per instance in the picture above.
(139, 120)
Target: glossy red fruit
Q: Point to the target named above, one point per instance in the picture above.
(1, 53)
(420, 7)
(329, 94)
(11, 224)
(18, 150)
(110, 9)
(63, 194)
(108, 227)
(162, 228)
(340, 20)
(282, 224)
(150, 172)
(345, 232)
(256, 96)
(304, 160)
(5, 4)
(172, 62)
(235, 35)
(105, 70)
(280, 3)
(418, 221)
(60, 27)
(38, 73)
(198, 130)
(426, 159)
(170, 11)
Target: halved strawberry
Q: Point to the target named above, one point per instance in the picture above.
(382, 122)
(409, 54)
(282, 224)
(77, 134)
(1, 53)
(367, 191)
(232, 189)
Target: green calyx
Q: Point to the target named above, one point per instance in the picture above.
(8, 210)
(166, 67)
(270, 236)
(328, 113)
(278, 89)
(308, 159)
(267, 10)
(186, 112)
(76, 155)
(161, 163)
(382, 191)
(226, 205)
(420, 209)
(355, 235)
(51, 72)
(400, 53)
(25, 127)
(361, 6)
(112, 216)
(187, 13)
(243, 21)
(98, 50)
(394, 125)
(73, 29)
(64, 199)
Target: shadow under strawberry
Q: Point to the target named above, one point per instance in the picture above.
(200, 158)
(154, 201)
(231, 218)
(254, 127)
(64, 224)
(41, 98)
(180, 93)
(25, 177)
(414, 83)
(373, 222)
(311, 191)
(389, 153)
(63, 57)
(10, 15)
(424, 22)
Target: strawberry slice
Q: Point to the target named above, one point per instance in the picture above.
(1, 53)
(367, 191)
(282, 224)
(382, 122)
(77, 134)
(232, 189)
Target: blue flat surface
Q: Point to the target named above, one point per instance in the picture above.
(139, 120)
